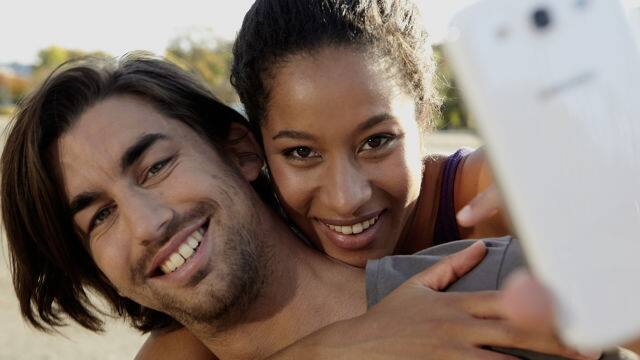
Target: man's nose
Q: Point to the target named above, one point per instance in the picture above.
(146, 216)
(345, 188)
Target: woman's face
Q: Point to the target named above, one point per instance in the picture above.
(344, 148)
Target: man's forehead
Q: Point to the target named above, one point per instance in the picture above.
(121, 118)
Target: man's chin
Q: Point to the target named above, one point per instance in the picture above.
(220, 295)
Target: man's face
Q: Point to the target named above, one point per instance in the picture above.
(166, 219)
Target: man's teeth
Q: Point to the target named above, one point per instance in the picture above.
(355, 228)
(185, 251)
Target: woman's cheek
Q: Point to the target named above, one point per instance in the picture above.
(290, 183)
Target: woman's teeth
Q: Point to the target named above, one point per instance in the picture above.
(185, 251)
(353, 229)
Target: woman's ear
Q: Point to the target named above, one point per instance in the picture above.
(244, 150)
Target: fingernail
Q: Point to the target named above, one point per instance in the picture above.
(464, 214)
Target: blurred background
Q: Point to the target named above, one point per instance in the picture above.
(198, 35)
(36, 36)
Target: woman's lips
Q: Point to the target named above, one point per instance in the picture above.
(354, 236)
(354, 229)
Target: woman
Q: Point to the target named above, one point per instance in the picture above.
(341, 95)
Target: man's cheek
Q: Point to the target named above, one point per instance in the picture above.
(113, 271)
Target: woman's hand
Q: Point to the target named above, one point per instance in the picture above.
(415, 321)
(482, 207)
(528, 304)
(479, 205)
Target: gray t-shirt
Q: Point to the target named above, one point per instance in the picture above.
(504, 255)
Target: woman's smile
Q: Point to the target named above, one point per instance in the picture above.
(344, 150)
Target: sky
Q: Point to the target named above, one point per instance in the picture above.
(119, 26)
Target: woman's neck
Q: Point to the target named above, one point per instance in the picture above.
(418, 233)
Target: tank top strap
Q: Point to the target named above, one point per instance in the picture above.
(446, 227)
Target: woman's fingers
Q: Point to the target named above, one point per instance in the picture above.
(450, 268)
(503, 334)
(527, 303)
(483, 206)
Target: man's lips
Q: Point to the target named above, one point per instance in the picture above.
(173, 246)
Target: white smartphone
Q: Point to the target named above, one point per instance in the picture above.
(633, 10)
(554, 86)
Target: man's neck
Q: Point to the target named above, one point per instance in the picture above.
(306, 291)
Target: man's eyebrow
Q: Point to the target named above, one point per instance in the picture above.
(82, 201)
(375, 120)
(135, 151)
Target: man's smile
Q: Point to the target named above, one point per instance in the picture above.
(185, 251)
(180, 250)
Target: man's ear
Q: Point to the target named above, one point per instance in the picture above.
(243, 149)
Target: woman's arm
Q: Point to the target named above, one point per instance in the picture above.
(416, 322)
(176, 344)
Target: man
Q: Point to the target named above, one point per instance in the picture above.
(131, 181)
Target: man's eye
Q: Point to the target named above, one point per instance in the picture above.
(156, 168)
(100, 217)
(300, 153)
(375, 142)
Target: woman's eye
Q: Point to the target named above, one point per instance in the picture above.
(375, 142)
(301, 152)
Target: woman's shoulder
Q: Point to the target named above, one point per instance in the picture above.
(449, 182)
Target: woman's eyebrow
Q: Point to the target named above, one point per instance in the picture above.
(293, 134)
(375, 120)
(301, 135)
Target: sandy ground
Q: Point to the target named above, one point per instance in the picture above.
(18, 341)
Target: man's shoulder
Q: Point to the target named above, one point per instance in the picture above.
(503, 256)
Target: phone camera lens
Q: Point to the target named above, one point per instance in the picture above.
(541, 18)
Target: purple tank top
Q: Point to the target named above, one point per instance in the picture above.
(446, 227)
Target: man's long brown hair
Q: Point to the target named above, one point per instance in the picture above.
(53, 273)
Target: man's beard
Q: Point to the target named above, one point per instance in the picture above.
(224, 296)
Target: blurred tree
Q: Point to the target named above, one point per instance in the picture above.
(12, 88)
(206, 57)
(453, 113)
(18, 88)
(51, 57)
(4, 90)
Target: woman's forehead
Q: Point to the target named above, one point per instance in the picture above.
(331, 84)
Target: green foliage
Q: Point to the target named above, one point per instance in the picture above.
(12, 88)
(51, 57)
(6, 111)
(453, 112)
(210, 59)
(207, 58)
